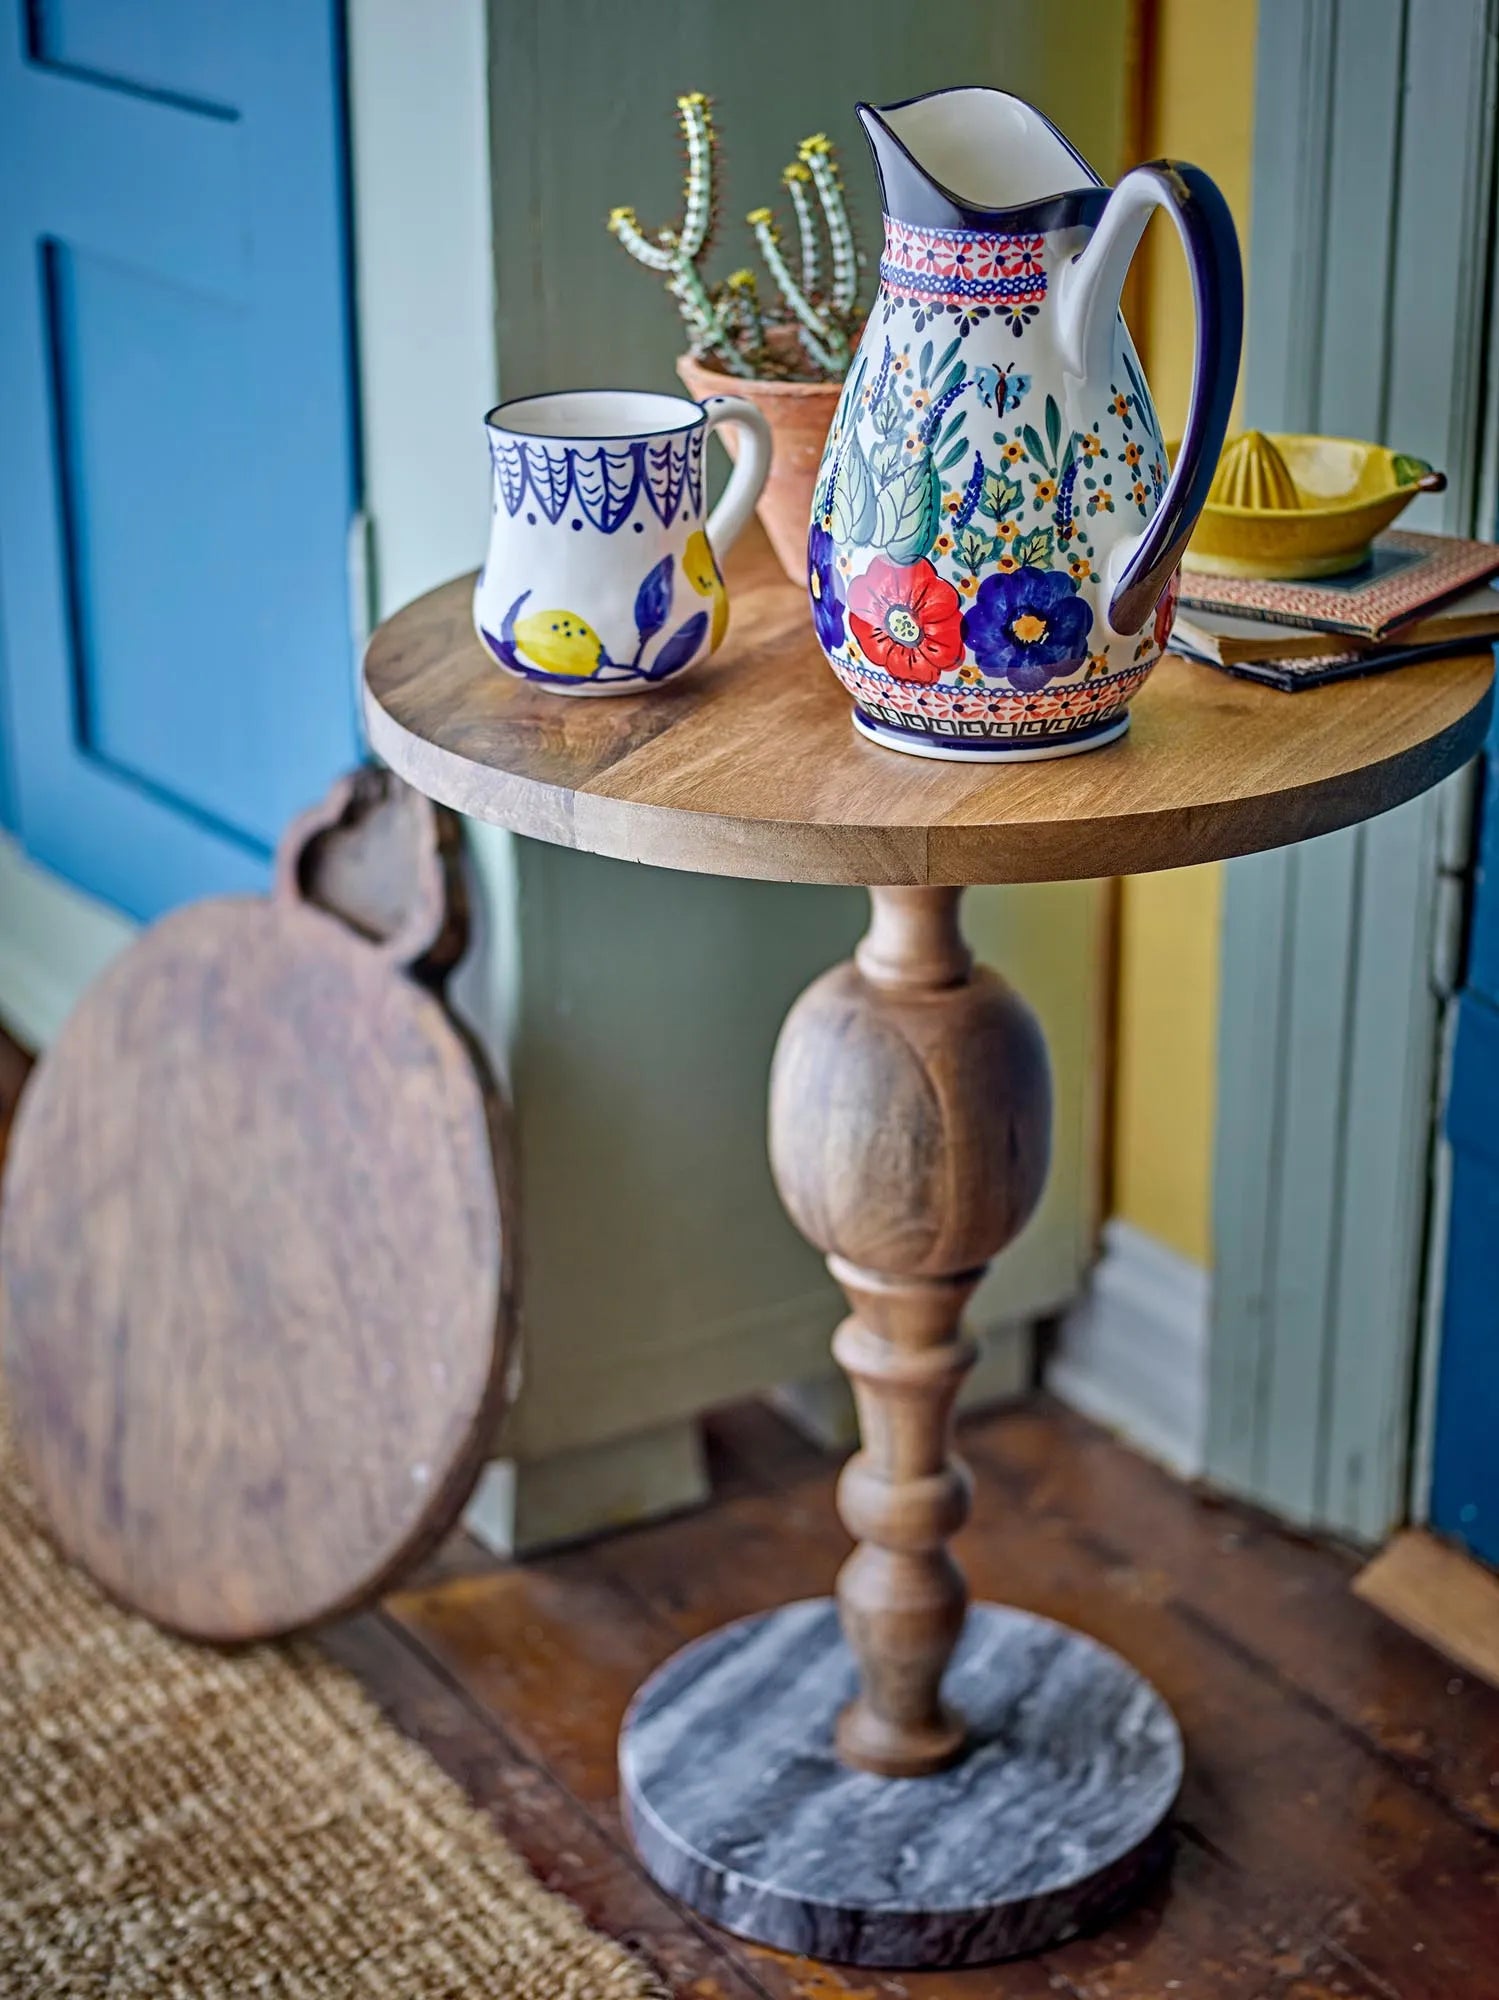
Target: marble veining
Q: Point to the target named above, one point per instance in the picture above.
(738, 1805)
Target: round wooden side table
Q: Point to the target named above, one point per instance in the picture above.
(900, 1778)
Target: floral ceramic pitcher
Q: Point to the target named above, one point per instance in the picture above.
(996, 530)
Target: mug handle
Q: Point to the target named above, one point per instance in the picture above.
(1141, 565)
(751, 469)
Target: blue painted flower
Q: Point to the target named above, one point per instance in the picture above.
(823, 587)
(1031, 627)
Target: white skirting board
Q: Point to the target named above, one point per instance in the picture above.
(1132, 1353)
(53, 941)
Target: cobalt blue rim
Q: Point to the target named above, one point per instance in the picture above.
(491, 417)
(909, 194)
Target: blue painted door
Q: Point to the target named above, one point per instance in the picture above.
(177, 457)
(1465, 1464)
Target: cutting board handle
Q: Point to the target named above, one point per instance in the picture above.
(387, 863)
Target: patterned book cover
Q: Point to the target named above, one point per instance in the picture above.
(1291, 676)
(1405, 575)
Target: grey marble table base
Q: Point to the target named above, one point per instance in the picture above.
(1053, 1819)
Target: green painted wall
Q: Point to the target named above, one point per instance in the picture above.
(641, 1006)
(582, 117)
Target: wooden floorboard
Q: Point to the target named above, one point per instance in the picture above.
(1338, 1835)
(1312, 1860)
(1441, 1594)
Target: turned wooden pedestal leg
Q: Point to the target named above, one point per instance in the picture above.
(910, 1127)
(902, 1780)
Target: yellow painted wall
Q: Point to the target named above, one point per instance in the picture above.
(1199, 106)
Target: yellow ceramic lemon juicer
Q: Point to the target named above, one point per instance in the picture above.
(995, 534)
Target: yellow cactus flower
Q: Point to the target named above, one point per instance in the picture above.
(559, 642)
(797, 171)
(621, 218)
(701, 571)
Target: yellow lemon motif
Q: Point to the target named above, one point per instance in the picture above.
(701, 571)
(559, 642)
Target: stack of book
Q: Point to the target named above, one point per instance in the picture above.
(1416, 598)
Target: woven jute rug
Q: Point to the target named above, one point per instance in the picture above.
(180, 1822)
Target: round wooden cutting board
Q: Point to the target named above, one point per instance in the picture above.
(254, 1245)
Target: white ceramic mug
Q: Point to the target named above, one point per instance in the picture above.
(603, 575)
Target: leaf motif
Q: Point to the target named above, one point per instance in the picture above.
(886, 460)
(925, 364)
(653, 600)
(888, 413)
(621, 479)
(1035, 547)
(681, 648)
(664, 466)
(693, 465)
(510, 470)
(956, 374)
(974, 548)
(950, 458)
(604, 483)
(947, 353)
(1000, 495)
(1053, 425)
(908, 510)
(551, 477)
(853, 496)
(1033, 444)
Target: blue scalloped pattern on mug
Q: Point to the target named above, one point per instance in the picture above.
(604, 483)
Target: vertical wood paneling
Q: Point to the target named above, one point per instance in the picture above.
(1372, 204)
(1251, 1038)
(1287, 230)
(1362, 205)
(1443, 246)
(1319, 941)
(1382, 1184)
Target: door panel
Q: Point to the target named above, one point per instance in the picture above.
(176, 494)
(187, 49)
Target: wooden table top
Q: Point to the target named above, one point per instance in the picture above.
(750, 766)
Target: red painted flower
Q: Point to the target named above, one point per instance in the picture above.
(908, 619)
(1165, 609)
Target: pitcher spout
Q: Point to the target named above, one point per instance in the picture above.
(978, 158)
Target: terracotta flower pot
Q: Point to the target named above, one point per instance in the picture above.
(800, 415)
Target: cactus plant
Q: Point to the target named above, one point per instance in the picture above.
(808, 334)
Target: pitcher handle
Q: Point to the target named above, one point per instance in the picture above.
(751, 470)
(1141, 565)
